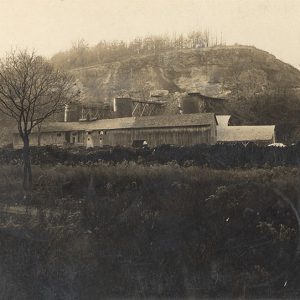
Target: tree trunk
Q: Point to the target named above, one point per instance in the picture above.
(39, 135)
(27, 176)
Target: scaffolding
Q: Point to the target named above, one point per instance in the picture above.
(147, 107)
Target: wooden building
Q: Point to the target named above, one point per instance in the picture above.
(194, 102)
(259, 134)
(182, 130)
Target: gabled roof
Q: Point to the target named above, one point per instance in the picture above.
(245, 133)
(134, 122)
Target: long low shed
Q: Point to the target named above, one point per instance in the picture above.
(182, 130)
(260, 134)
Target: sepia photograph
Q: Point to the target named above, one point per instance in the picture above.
(149, 149)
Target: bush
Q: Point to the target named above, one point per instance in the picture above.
(134, 230)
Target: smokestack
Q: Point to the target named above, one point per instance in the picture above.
(67, 111)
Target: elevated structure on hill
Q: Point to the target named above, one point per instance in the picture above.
(94, 111)
(132, 107)
(147, 107)
(77, 111)
(195, 102)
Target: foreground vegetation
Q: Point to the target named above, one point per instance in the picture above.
(220, 156)
(131, 230)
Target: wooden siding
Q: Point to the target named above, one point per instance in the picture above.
(183, 136)
(51, 138)
(246, 133)
(55, 138)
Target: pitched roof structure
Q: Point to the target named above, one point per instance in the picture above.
(205, 97)
(226, 133)
(201, 119)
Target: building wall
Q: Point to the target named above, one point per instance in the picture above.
(183, 136)
(192, 104)
(17, 142)
(261, 135)
(122, 107)
(71, 112)
(52, 138)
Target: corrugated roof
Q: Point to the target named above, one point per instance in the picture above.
(245, 133)
(134, 122)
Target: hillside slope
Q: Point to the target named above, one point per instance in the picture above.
(259, 88)
(213, 71)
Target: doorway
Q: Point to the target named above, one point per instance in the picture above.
(68, 137)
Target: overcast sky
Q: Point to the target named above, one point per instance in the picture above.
(49, 26)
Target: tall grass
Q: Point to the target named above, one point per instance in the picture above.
(131, 230)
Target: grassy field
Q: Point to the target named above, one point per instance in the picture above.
(134, 230)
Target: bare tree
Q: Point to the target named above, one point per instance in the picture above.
(31, 90)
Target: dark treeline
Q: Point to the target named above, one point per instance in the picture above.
(223, 156)
(81, 54)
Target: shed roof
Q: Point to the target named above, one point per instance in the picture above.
(245, 133)
(205, 97)
(134, 122)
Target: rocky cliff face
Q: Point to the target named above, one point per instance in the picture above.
(238, 71)
(259, 88)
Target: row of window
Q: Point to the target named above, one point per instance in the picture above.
(101, 132)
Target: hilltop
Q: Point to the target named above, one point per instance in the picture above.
(214, 71)
(258, 87)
